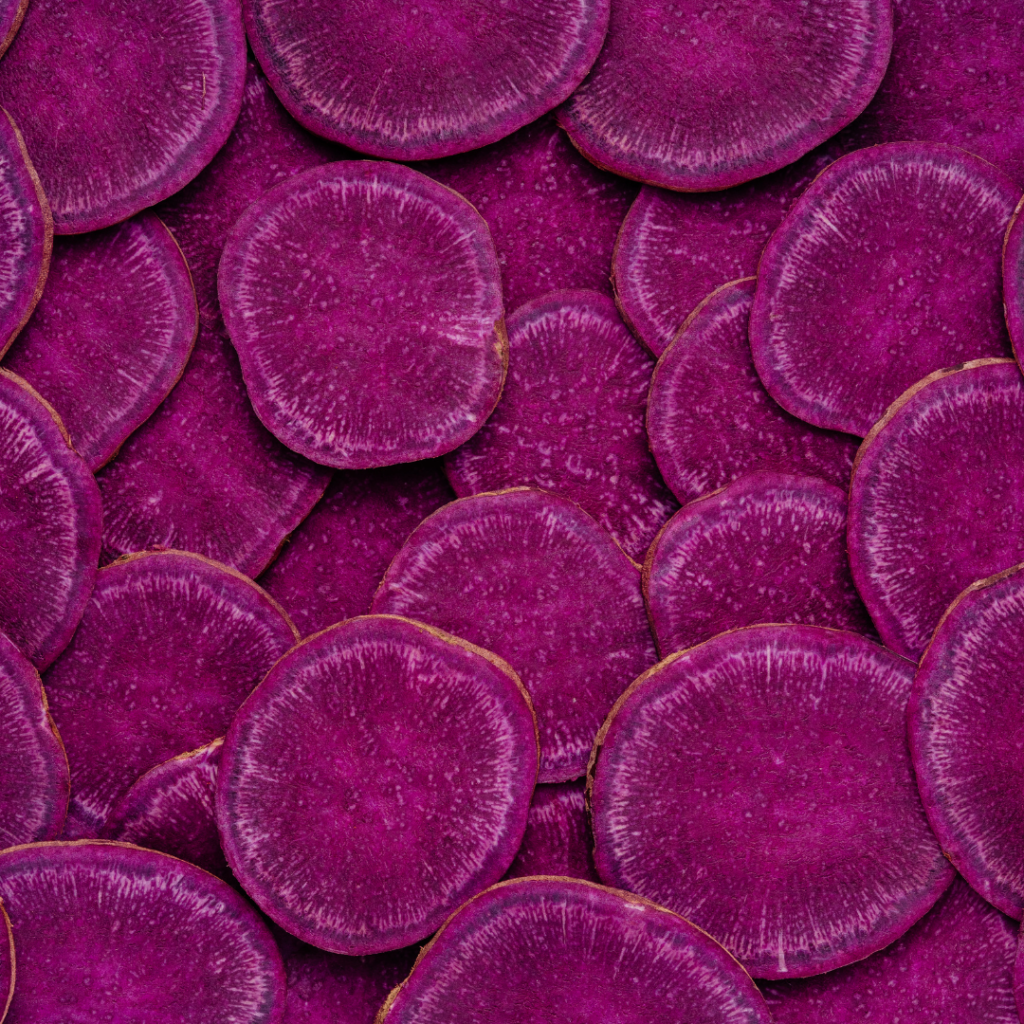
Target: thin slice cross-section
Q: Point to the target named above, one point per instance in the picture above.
(378, 777)
(12, 13)
(885, 269)
(709, 418)
(51, 521)
(413, 82)
(571, 419)
(7, 963)
(564, 949)
(532, 577)
(111, 71)
(364, 300)
(1013, 280)
(937, 499)
(767, 548)
(760, 785)
(112, 334)
(108, 931)
(169, 647)
(698, 99)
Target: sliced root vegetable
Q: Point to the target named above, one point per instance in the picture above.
(558, 840)
(170, 809)
(380, 286)
(885, 269)
(767, 548)
(12, 14)
(697, 100)
(1013, 281)
(955, 965)
(110, 70)
(52, 521)
(334, 562)
(169, 647)
(760, 785)
(108, 931)
(7, 963)
(465, 74)
(554, 216)
(563, 949)
(533, 578)
(937, 499)
(112, 333)
(379, 776)
(709, 418)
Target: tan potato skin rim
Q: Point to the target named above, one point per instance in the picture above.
(54, 415)
(5, 925)
(19, 17)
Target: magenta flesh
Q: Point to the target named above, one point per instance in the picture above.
(709, 418)
(334, 562)
(855, 299)
(7, 966)
(760, 786)
(169, 647)
(533, 578)
(1013, 281)
(112, 333)
(12, 13)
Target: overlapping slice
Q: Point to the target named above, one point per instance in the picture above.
(533, 578)
(107, 931)
(12, 13)
(169, 647)
(767, 548)
(112, 333)
(709, 418)
(561, 949)
(760, 785)
(558, 839)
(378, 777)
(1013, 281)
(334, 562)
(51, 520)
(382, 288)
(571, 418)
(937, 499)
(885, 269)
(7, 965)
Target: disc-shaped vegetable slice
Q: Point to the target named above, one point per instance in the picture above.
(51, 521)
(699, 100)
(7, 963)
(379, 776)
(955, 965)
(169, 647)
(334, 562)
(709, 418)
(383, 288)
(856, 300)
(464, 75)
(760, 785)
(1013, 281)
(110, 72)
(12, 13)
(108, 931)
(112, 334)
(562, 949)
(937, 499)
(533, 578)
(767, 548)
(571, 418)
(558, 840)
(33, 769)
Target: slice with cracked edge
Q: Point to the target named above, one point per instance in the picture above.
(558, 839)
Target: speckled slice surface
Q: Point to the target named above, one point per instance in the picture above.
(558, 840)
(7, 963)
(1013, 281)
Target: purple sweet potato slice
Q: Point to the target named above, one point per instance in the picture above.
(169, 647)
(1013, 281)
(333, 563)
(414, 82)
(378, 777)
(532, 577)
(709, 419)
(571, 418)
(33, 769)
(12, 14)
(364, 300)
(563, 949)
(110, 932)
(856, 300)
(134, 102)
(955, 966)
(937, 498)
(558, 840)
(767, 548)
(761, 786)
(554, 216)
(112, 334)
(7, 963)
(51, 521)
(697, 100)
